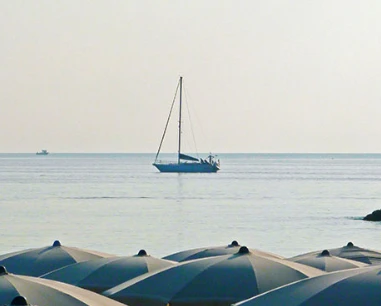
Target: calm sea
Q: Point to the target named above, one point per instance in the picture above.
(287, 204)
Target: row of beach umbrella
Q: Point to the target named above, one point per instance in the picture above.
(220, 275)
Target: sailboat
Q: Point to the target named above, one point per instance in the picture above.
(185, 163)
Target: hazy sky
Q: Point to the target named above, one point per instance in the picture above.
(260, 76)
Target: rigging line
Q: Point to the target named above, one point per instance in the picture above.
(166, 125)
(190, 121)
(199, 124)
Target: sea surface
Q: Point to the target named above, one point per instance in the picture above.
(287, 204)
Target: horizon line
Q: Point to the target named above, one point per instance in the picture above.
(174, 153)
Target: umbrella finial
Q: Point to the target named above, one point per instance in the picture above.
(56, 243)
(350, 244)
(3, 271)
(243, 250)
(19, 301)
(325, 253)
(234, 243)
(142, 253)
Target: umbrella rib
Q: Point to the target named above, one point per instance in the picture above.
(254, 272)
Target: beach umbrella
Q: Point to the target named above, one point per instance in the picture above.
(38, 261)
(28, 290)
(197, 253)
(326, 262)
(101, 274)
(351, 287)
(352, 252)
(218, 281)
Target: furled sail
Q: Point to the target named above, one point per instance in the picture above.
(187, 157)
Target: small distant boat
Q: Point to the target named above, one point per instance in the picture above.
(185, 163)
(42, 152)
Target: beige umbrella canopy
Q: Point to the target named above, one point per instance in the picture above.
(218, 281)
(101, 274)
(326, 262)
(36, 262)
(351, 287)
(27, 290)
(232, 248)
(350, 251)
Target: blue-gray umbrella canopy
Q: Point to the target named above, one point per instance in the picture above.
(197, 253)
(326, 262)
(101, 274)
(350, 251)
(43, 292)
(352, 287)
(39, 261)
(219, 280)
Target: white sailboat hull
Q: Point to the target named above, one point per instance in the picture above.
(187, 167)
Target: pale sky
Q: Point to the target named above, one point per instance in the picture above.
(260, 76)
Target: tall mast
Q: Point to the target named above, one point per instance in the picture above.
(181, 92)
